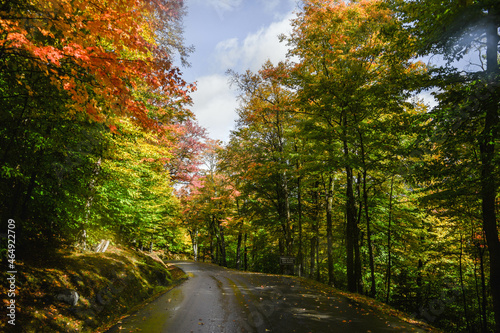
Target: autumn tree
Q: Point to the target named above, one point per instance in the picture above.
(263, 132)
(69, 73)
(189, 142)
(347, 61)
(210, 211)
(469, 102)
(98, 54)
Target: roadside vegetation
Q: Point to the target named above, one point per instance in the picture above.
(109, 285)
(336, 159)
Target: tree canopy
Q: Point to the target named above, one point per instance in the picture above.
(336, 162)
(339, 162)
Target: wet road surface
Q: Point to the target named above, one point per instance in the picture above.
(215, 299)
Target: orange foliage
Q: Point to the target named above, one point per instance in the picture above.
(99, 52)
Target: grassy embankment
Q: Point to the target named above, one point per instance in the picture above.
(110, 285)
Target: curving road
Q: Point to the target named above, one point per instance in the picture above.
(215, 299)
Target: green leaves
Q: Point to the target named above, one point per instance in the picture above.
(135, 197)
(74, 76)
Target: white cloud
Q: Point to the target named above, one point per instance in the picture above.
(273, 5)
(255, 49)
(214, 106)
(220, 6)
(270, 5)
(228, 53)
(215, 103)
(225, 5)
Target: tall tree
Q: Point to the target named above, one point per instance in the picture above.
(264, 124)
(347, 60)
(70, 72)
(454, 30)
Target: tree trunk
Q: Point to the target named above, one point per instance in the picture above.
(288, 224)
(300, 256)
(88, 204)
(315, 227)
(240, 236)
(282, 188)
(359, 241)
(194, 242)
(484, 301)
(478, 293)
(238, 251)
(388, 288)
(464, 298)
(419, 282)
(312, 258)
(351, 223)
(223, 254)
(373, 290)
(329, 223)
(245, 255)
(487, 154)
(214, 248)
(318, 273)
(350, 227)
(212, 259)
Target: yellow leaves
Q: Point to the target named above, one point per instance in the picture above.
(341, 23)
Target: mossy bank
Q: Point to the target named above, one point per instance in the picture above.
(109, 286)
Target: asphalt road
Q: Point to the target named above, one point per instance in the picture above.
(215, 299)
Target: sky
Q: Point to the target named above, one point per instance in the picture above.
(238, 35)
(230, 34)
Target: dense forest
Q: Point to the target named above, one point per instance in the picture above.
(336, 159)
